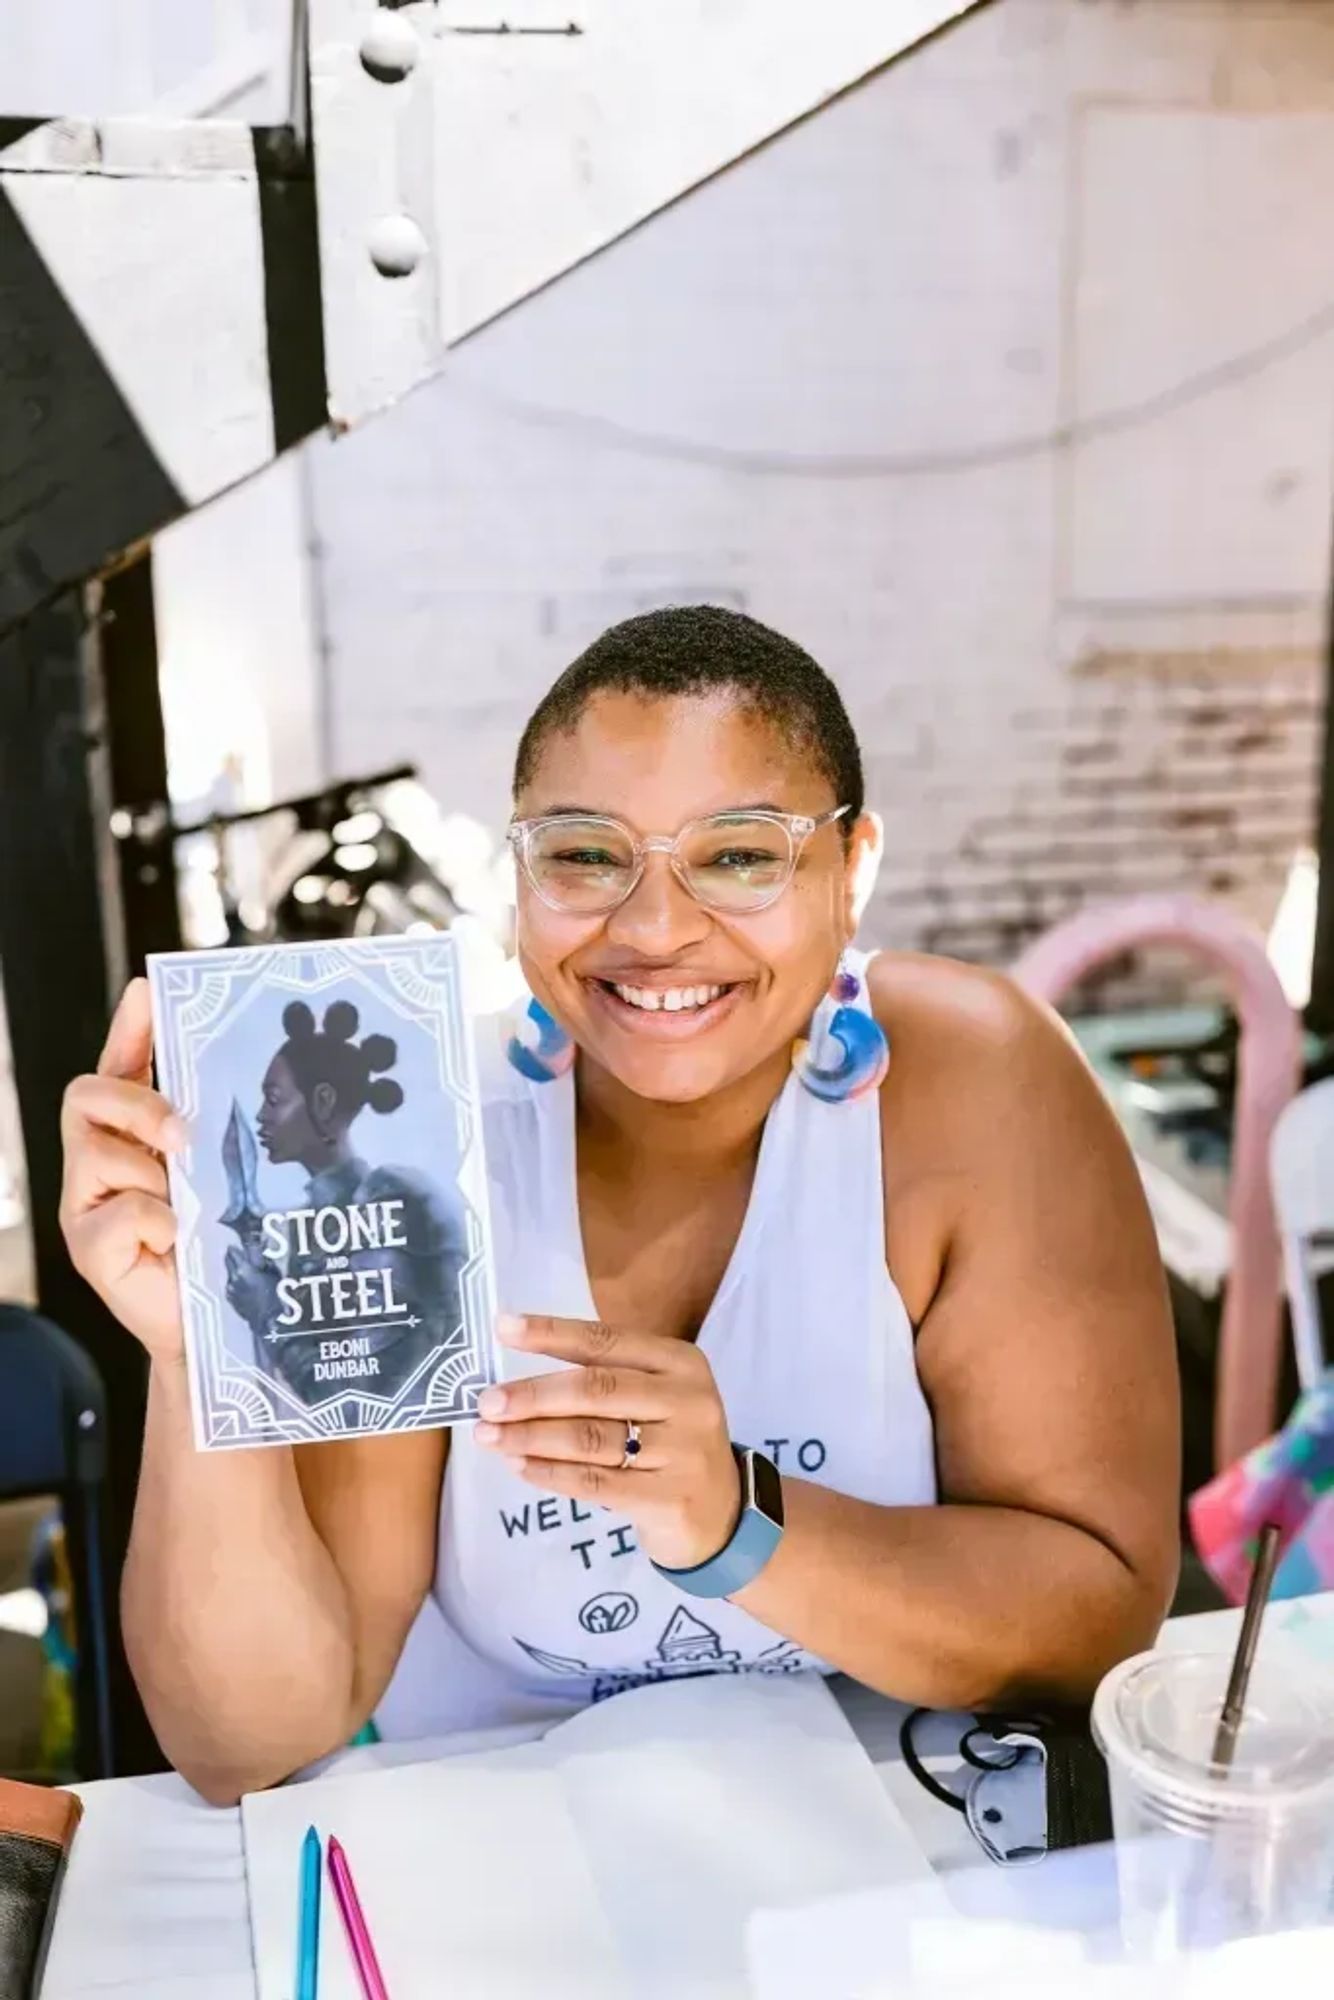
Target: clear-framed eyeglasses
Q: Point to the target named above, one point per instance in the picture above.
(732, 862)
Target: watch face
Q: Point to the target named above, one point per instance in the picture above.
(768, 1488)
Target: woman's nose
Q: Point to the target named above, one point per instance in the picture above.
(660, 910)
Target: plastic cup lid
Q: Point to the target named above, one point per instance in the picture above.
(1156, 1716)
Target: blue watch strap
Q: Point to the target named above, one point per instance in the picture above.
(757, 1534)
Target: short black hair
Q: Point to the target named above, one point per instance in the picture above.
(694, 649)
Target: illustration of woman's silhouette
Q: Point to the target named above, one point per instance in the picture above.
(315, 1088)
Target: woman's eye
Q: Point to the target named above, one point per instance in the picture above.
(738, 858)
(584, 857)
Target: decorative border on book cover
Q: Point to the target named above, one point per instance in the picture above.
(208, 1005)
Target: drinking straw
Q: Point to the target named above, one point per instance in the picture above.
(1257, 1596)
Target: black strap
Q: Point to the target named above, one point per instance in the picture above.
(1078, 1803)
(918, 1768)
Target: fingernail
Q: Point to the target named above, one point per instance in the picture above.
(172, 1135)
(510, 1326)
(491, 1403)
(486, 1433)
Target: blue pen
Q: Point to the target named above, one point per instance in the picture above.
(308, 1939)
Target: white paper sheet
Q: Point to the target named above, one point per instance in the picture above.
(152, 1906)
(1041, 1933)
(620, 1859)
(470, 1873)
(700, 1802)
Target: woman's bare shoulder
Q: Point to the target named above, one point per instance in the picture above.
(991, 1118)
(935, 1009)
(980, 1069)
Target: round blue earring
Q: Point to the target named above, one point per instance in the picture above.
(539, 1047)
(863, 1063)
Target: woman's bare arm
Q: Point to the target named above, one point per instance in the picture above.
(1018, 1230)
(266, 1594)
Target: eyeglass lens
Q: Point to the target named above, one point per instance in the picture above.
(728, 863)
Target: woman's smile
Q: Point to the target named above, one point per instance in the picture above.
(662, 1009)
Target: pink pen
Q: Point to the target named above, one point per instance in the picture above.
(358, 1937)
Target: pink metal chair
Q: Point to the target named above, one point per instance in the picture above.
(1268, 1073)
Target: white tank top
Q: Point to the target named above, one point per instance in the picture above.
(543, 1604)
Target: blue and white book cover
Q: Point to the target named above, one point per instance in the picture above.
(333, 1245)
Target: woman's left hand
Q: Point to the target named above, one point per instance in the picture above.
(566, 1431)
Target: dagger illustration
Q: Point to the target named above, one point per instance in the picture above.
(240, 1163)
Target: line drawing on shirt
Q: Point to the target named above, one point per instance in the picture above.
(687, 1648)
(784, 1658)
(688, 1641)
(609, 1611)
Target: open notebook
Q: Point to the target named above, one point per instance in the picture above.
(619, 1856)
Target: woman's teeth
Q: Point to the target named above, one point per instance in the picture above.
(672, 999)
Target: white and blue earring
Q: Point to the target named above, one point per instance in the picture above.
(539, 1047)
(846, 1055)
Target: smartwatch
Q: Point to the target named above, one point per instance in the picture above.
(756, 1535)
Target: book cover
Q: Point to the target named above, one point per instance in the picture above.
(333, 1245)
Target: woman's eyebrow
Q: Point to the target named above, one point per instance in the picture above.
(601, 812)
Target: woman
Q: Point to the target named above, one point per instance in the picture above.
(314, 1090)
(934, 1307)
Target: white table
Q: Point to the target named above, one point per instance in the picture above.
(154, 1905)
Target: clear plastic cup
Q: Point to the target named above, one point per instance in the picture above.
(1208, 1853)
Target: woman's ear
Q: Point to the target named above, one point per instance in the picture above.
(323, 1104)
(865, 848)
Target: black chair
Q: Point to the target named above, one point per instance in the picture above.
(53, 1440)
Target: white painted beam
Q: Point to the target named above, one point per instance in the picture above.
(144, 58)
(376, 172)
(549, 149)
(495, 163)
(151, 233)
(513, 157)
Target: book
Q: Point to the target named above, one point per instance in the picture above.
(333, 1248)
(621, 1857)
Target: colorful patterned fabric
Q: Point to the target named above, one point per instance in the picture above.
(1289, 1480)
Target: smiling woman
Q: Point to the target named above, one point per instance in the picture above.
(860, 1362)
(816, 1360)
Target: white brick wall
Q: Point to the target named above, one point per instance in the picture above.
(1145, 773)
(1078, 671)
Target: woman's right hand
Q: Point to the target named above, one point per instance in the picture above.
(118, 1226)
